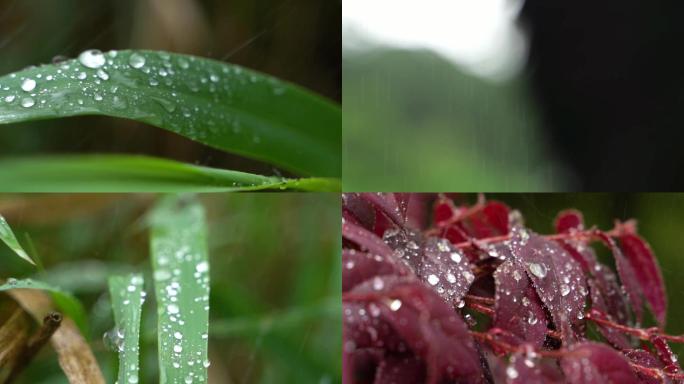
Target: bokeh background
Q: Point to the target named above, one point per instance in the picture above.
(512, 95)
(660, 220)
(295, 40)
(275, 313)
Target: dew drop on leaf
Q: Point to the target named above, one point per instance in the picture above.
(27, 102)
(28, 85)
(538, 270)
(92, 58)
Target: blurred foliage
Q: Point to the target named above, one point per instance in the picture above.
(296, 40)
(415, 122)
(660, 218)
(272, 256)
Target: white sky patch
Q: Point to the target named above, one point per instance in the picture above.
(479, 35)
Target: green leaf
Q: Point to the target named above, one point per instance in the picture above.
(217, 104)
(127, 298)
(8, 238)
(122, 173)
(65, 301)
(181, 278)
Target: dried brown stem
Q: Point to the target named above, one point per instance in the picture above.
(50, 324)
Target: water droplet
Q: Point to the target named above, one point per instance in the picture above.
(27, 102)
(202, 267)
(461, 304)
(28, 85)
(136, 61)
(451, 278)
(433, 279)
(525, 301)
(214, 78)
(511, 372)
(113, 339)
(82, 75)
(97, 97)
(102, 74)
(456, 257)
(564, 290)
(395, 304)
(133, 379)
(92, 58)
(377, 283)
(516, 275)
(177, 348)
(531, 319)
(468, 276)
(9, 99)
(172, 309)
(538, 270)
(178, 335)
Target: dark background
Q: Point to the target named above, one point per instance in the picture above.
(296, 40)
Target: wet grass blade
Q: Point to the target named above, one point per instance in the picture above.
(65, 301)
(7, 236)
(122, 173)
(217, 104)
(127, 297)
(181, 279)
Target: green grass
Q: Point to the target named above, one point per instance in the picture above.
(180, 265)
(127, 297)
(221, 105)
(122, 173)
(275, 265)
(8, 237)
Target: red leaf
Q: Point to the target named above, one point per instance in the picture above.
(589, 363)
(607, 297)
(364, 238)
(568, 220)
(358, 267)
(644, 359)
(421, 320)
(648, 274)
(557, 278)
(517, 307)
(627, 276)
(400, 370)
(388, 205)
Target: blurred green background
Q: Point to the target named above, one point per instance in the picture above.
(295, 40)
(275, 313)
(414, 121)
(660, 218)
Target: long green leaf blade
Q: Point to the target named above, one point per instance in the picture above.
(123, 173)
(181, 278)
(65, 301)
(218, 104)
(127, 297)
(7, 236)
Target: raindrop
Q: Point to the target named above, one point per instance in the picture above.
(178, 335)
(28, 85)
(97, 97)
(202, 267)
(564, 290)
(532, 320)
(511, 372)
(136, 61)
(102, 74)
(113, 339)
(92, 58)
(27, 102)
(213, 78)
(461, 304)
(172, 309)
(377, 283)
(538, 270)
(133, 379)
(433, 279)
(516, 275)
(82, 75)
(468, 276)
(177, 348)
(451, 278)
(456, 257)
(395, 304)
(9, 99)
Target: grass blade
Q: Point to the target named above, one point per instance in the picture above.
(220, 105)
(127, 297)
(8, 238)
(65, 301)
(122, 173)
(181, 278)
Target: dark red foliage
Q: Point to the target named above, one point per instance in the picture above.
(411, 291)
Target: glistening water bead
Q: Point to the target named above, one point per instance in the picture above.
(136, 61)
(92, 58)
(28, 85)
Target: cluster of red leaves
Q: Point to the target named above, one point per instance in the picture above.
(417, 266)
